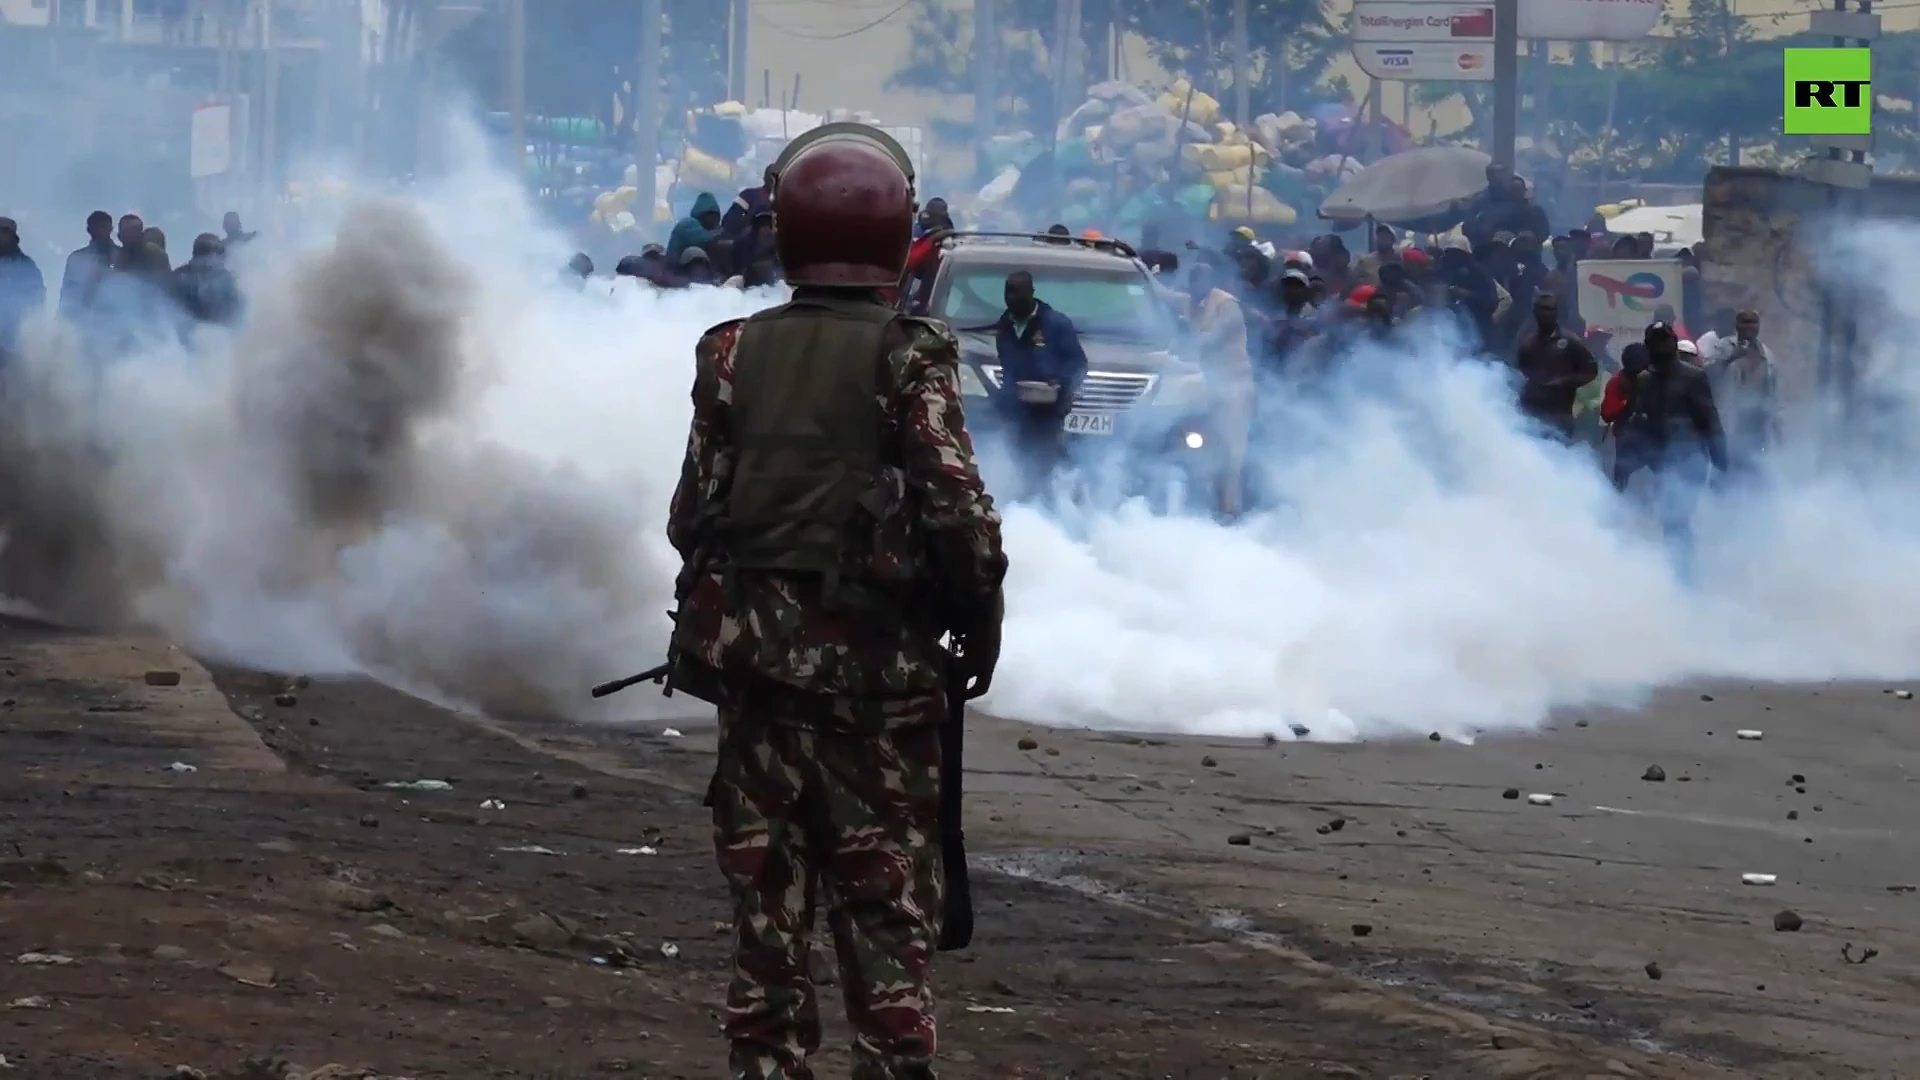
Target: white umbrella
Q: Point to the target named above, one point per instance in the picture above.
(1671, 226)
(1409, 187)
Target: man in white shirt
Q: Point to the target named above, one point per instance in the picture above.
(1745, 386)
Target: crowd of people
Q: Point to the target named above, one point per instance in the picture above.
(122, 282)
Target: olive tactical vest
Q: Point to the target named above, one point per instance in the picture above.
(807, 424)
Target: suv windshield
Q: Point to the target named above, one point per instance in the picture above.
(1114, 301)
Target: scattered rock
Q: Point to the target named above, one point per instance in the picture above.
(248, 973)
(1053, 752)
(1208, 763)
(278, 847)
(1706, 697)
(285, 701)
(554, 1002)
(162, 678)
(1336, 824)
(579, 791)
(34, 1002)
(1796, 778)
(1240, 839)
(1510, 793)
(1749, 735)
(1028, 742)
(172, 954)
(1361, 929)
(544, 931)
(1433, 736)
(387, 931)
(1787, 922)
(354, 897)
(368, 821)
(1654, 773)
(1300, 731)
(41, 959)
(1793, 815)
(1903, 888)
(182, 768)
(1653, 971)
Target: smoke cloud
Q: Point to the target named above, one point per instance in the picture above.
(426, 458)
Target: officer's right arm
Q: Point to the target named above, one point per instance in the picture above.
(708, 466)
(956, 513)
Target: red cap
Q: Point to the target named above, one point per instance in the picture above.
(1362, 294)
(1415, 257)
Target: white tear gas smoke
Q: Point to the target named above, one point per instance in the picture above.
(425, 459)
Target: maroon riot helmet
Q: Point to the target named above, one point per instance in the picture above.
(843, 207)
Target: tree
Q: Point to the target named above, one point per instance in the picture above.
(580, 53)
(1292, 45)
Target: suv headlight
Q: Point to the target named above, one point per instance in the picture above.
(1183, 386)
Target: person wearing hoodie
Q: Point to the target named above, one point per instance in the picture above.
(699, 229)
(203, 286)
(1675, 418)
(23, 291)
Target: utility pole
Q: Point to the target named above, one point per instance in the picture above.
(986, 71)
(517, 83)
(269, 100)
(737, 84)
(646, 113)
(1242, 91)
(1506, 80)
(1843, 167)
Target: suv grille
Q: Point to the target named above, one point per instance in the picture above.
(1101, 391)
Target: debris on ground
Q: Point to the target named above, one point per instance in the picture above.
(1706, 697)
(493, 804)
(285, 701)
(1540, 799)
(1749, 735)
(162, 678)
(528, 849)
(417, 785)
(1787, 922)
(641, 850)
(1208, 762)
(1903, 695)
(1433, 736)
(182, 768)
(1510, 793)
(41, 959)
(1361, 929)
(1654, 773)
(670, 733)
(1028, 742)
(579, 791)
(1758, 879)
(1240, 839)
(1866, 954)
(669, 950)
(34, 1002)
(1653, 971)
(249, 974)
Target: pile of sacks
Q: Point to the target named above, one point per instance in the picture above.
(1181, 140)
(728, 147)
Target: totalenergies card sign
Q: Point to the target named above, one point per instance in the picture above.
(1620, 296)
(1420, 40)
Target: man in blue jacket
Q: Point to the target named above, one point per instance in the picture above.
(1041, 368)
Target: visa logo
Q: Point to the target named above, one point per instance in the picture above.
(1395, 58)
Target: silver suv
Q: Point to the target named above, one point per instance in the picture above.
(1136, 388)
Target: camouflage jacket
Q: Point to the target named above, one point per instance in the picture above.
(776, 626)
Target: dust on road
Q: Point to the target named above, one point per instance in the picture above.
(555, 913)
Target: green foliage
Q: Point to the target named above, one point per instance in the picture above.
(1187, 37)
(580, 52)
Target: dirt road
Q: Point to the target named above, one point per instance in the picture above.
(1159, 907)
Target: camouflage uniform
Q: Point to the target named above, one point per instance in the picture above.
(829, 758)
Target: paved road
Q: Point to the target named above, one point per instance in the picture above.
(280, 897)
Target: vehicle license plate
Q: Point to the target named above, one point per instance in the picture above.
(1089, 423)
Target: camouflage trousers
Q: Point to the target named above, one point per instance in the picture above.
(802, 810)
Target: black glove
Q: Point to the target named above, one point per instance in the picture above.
(977, 652)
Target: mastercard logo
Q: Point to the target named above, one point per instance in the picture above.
(1471, 61)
